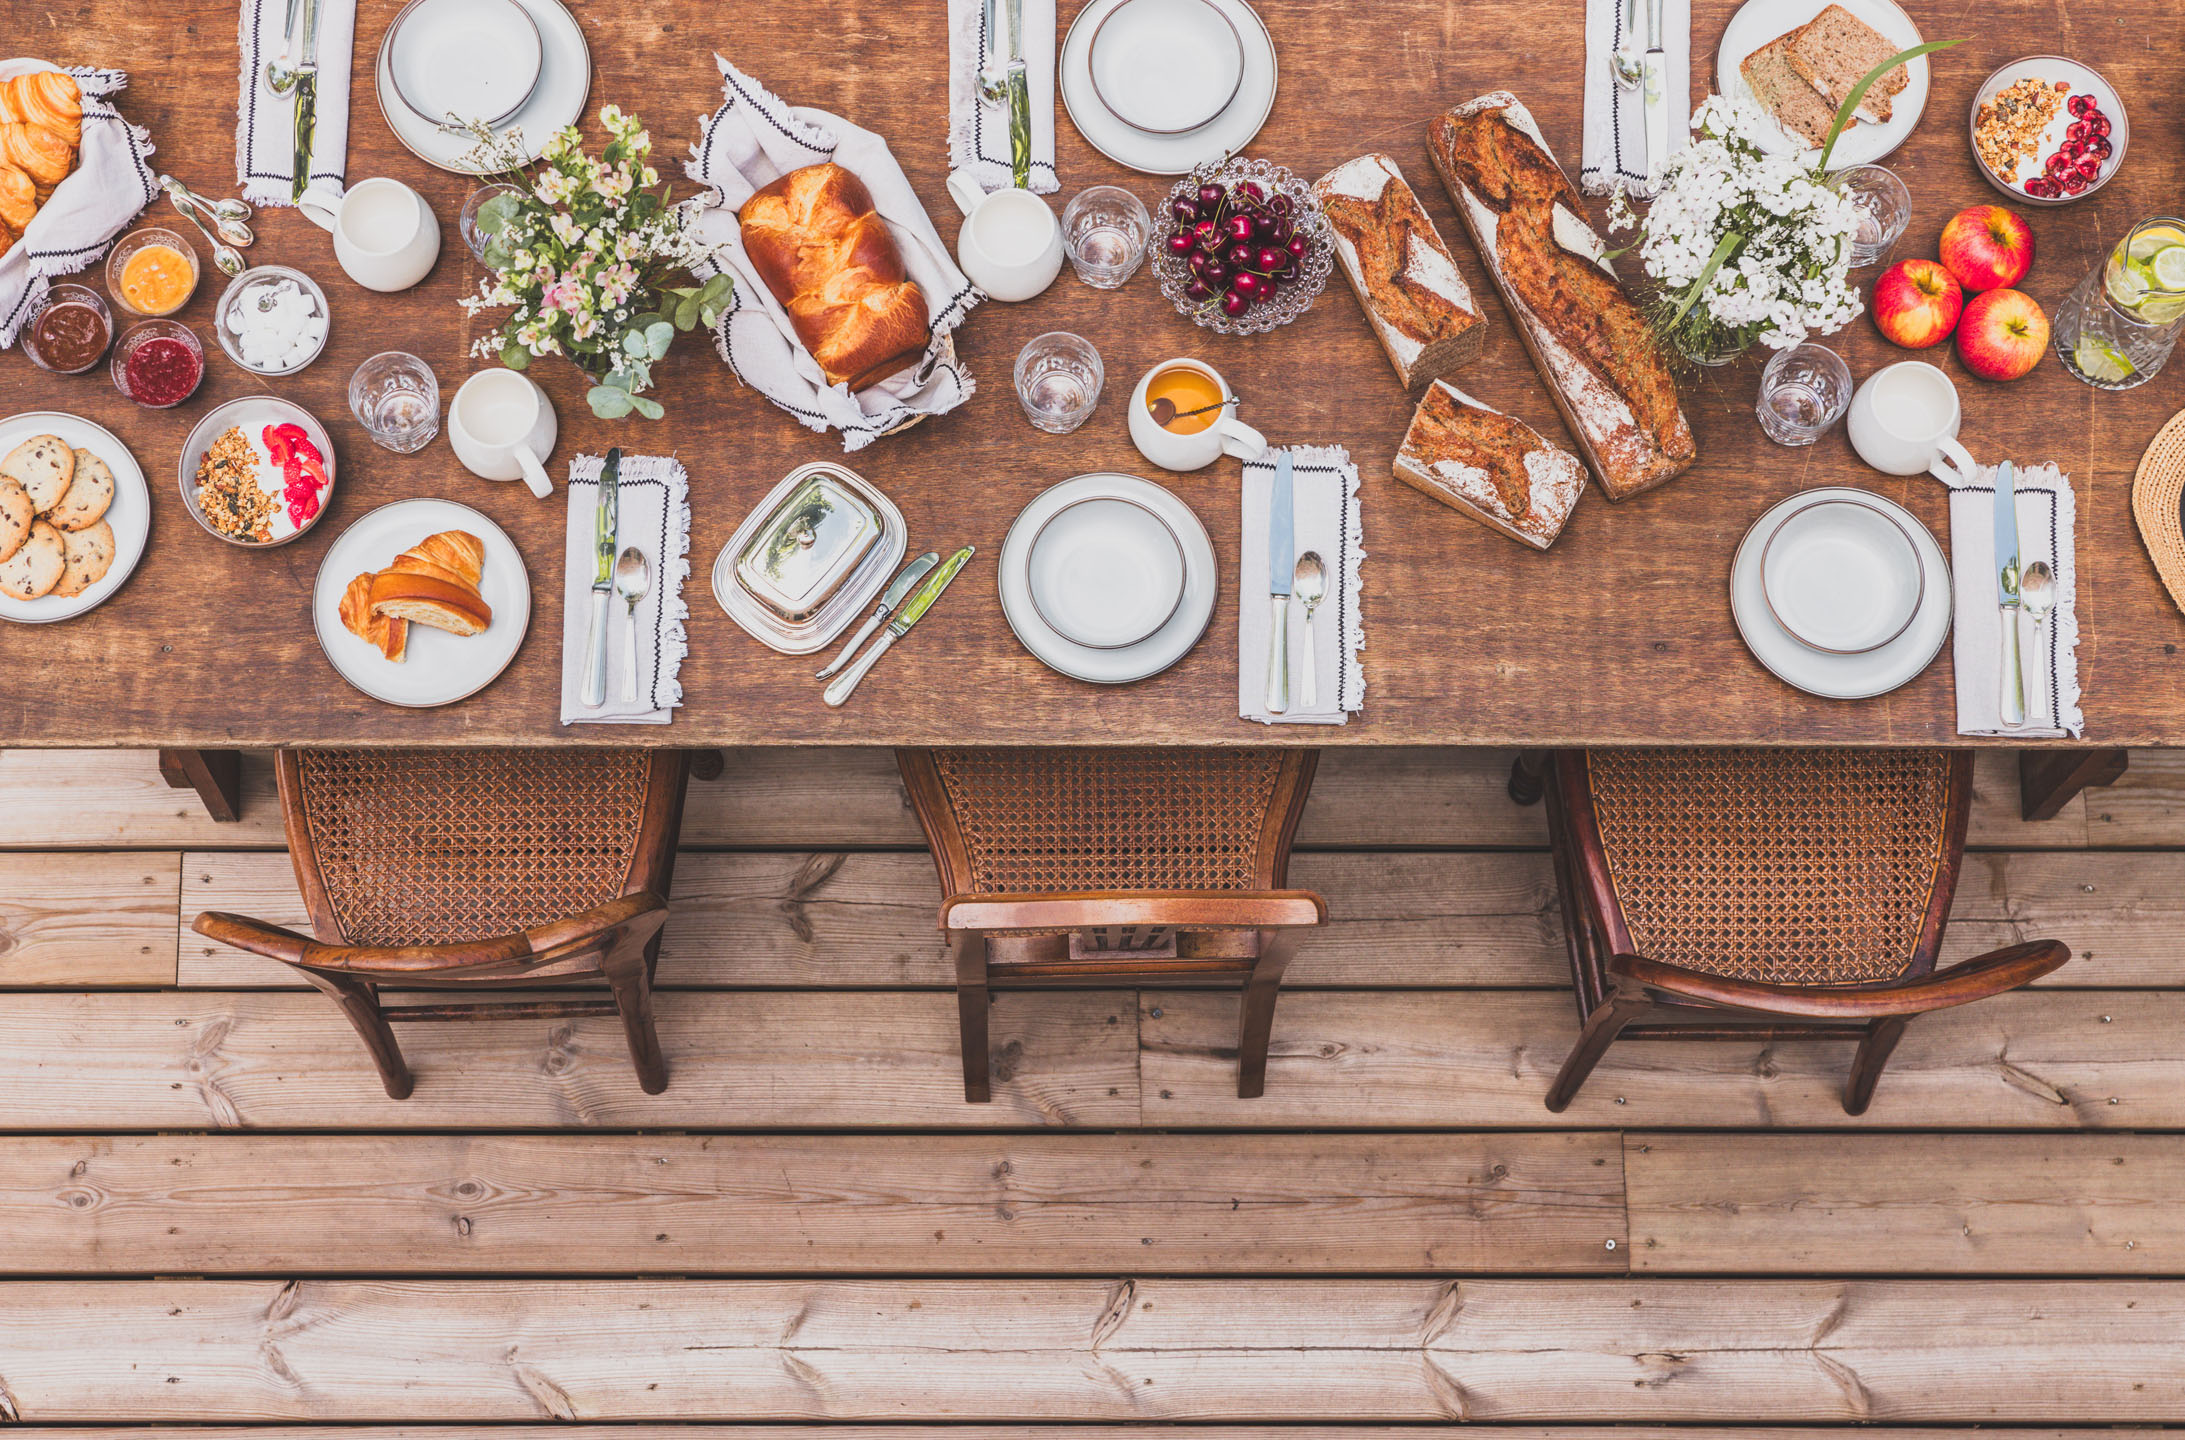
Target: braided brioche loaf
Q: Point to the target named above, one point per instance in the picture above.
(827, 256)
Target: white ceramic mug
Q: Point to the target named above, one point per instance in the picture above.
(503, 428)
(1172, 450)
(385, 235)
(1904, 420)
(1011, 243)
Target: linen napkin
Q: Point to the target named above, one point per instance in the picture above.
(265, 123)
(978, 137)
(2047, 530)
(654, 509)
(1324, 511)
(110, 184)
(751, 140)
(1615, 124)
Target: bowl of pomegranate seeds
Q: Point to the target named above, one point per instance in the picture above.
(2047, 130)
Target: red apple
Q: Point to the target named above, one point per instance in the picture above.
(1987, 248)
(2002, 335)
(1916, 303)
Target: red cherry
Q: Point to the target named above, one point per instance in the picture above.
(2073, 149)
(2077, 130)
(2089, 167)
(1239, 227)
(2099, 123)
(1297, 246)
(1181, 243)
(1199, 290)
(2098, 147)
(1235, 303)
(1197, 261)
(1268, 285)
(1270, 258)
(1184, 210)
(1210, 198)
(1247, 284)
(2057, 164)
(1252, 191)
(2073, 183)
(1238, 255)
(2079, 103)
(1280, 204)
(1214, 272)
(1207, 233)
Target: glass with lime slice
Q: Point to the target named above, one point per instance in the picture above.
(2117, 329)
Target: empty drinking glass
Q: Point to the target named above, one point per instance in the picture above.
(1105, 230)
(1058, 381)
(1885, 208)
(396, 399)
(1803, 391)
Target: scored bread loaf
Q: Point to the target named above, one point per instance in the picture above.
(1491, 466)
(827, 256)
(1603, 363)
(1406, 280)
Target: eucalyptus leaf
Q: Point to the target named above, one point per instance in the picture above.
(633, 341)
(717, 289)
(658, 337)
(515, 357)
(609, 403)
(494, 216)
(650, 409)
(687, 313)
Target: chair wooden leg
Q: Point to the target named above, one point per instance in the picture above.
(1866, 1066)
(629, 971)
(1600, 1031)
(2048, 780)
(362, 1007)
(1528, 777)
(216, 776)
(1256, 1018)
(972, 1003)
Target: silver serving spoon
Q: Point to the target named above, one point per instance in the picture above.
(1625, 62)
(227, 208)
(1310, 585)
(633, 577)
(234, 232)
(225, 257)
(2037, 593)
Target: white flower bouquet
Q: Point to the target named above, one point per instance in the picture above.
(584, 254)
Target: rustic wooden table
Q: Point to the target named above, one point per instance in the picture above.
(1621, 633)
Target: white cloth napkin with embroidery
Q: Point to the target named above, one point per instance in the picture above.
(265, 123)
(1614, 152)
(112, 181)
(2047, 530)
(978, 136)
(1324, 517)
(653, 513)
(753, 139)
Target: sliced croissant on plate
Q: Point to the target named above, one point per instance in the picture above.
(434, 582)
(391, 635)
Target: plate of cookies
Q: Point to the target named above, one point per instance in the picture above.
(74, 514)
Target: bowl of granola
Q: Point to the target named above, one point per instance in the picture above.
(258, 471)
(2048, 131)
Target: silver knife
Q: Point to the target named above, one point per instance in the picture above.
(911, 574)
(606, 525)
(2006, 595)
(307, 96)
(1657, 97)
(1281, 562)
(1020, 102)
(838, 689)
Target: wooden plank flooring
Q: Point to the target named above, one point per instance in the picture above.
(210, 1214)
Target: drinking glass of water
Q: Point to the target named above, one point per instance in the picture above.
(396, 399)
(1104, 231)
(1885, 208)
(1058, 381)
(1803, 391)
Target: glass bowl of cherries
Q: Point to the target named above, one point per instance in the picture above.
(1243, 248)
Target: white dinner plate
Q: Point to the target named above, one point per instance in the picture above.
(1106, 572)
(1152, 154)
(474, 59)
(1131, 662)
(1759, 21)
(1842, 575)
(1840, 677)
(129, 517)
(438, 667)
(565, 79)
(1166, 66)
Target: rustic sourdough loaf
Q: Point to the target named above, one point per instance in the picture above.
(1601, 359)
(1405, 279)
(1491, 466)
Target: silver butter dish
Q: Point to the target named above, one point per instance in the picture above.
(810, 558)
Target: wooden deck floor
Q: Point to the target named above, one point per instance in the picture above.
(211, 1215)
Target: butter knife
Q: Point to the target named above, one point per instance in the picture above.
(307, 99)
(1020, 102)
(914, 609)
(911, 574)
(2006, 595)
(1657, 98)
(606, 525)
(1281, 564)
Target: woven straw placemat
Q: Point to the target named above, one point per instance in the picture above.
(2156, 492)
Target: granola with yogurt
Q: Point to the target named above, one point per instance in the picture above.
(2008, 128)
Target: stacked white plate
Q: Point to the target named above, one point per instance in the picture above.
(510, 64)
(1841, 593)
(1162, 85)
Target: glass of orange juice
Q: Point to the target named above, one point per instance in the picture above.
(152, 272)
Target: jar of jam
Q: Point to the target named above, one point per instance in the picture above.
(158, 363)
(152, 272)
(69, 332)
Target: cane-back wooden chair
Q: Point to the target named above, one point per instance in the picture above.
(1779, 894)
(477, 870)
(1115, 867)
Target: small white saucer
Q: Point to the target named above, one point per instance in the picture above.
(1758, 22)
(1166, 66)
(473, 59)
(1157, 651)
(1842, 575)
(1840, 677)
(1143, 150)
(557, 100)
(1106, 572)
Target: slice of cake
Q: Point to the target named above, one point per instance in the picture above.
(1494, 468)
(1833, 53)
(1784, 93)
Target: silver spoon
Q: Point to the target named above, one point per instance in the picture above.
(235, 232)
(226, 258)
(633, 577)
(227, 208)
(281, 71)
(1310, 585)
(2037, 593)
(1624, 61)
(1165, 411)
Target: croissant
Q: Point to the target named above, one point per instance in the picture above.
(389, 633)
(46, 155)
(18, 198)
(49, 98)
(453, 555)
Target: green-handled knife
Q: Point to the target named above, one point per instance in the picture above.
(606, 528)
(838, 690)
(307, 99)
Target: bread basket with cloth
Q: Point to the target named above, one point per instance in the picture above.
(846, 297)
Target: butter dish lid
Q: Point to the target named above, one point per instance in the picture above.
(809, 556)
